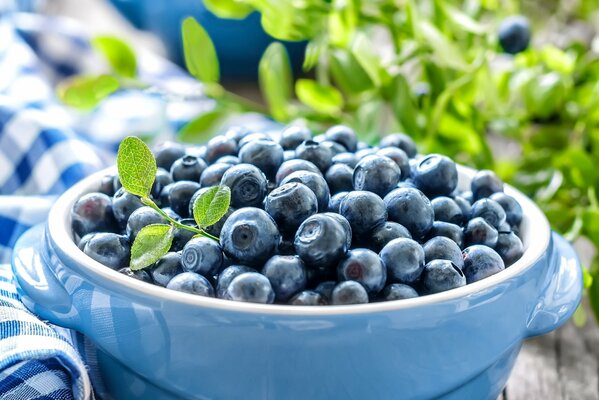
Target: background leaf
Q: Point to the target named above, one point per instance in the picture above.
(86, 92)
(136, 166)
(211, 206)
(199, 52)
(202, 127)
(119, 54)
(274, 73)
(151, 243)
(322, 98)
(228, 8)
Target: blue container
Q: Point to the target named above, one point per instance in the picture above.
(239, 43)
(160, 344)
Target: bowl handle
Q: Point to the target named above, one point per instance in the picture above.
(561, 292)
(38, 286)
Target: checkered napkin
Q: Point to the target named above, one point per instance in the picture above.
(44, 149)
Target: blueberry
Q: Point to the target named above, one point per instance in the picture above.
(123, 205)
(319, 155)
(448, 230)
(385, 233)
(291, 166)
(326, 288)
(250, 236)
(109, 249)
(408, 184)
(377, 174)
(441, 275)
(513, 210)
(107, 185)
(287, 276)
(140, 218)
(479, 231)
(233, 160)
(163, 178)
(480, 262)
(344, 224)
(248, 185)
(190, 282)
(509, 247)
(167, 153)
(402, 141)
(399, 157)
(349, 292)
(92, 213)
(360, 154)
(365, 267)
(293, 135)
(202, 255)
(166, 268)
(364, 210)
(116, 184)
(514, 34)
(237, 133)
(412, 209)
(442, 248)
(290, 204)
(84, 240)
(250, 287)
(464, 205)
(315, 182)
(484, 184)
(140, 275)
(182, 236)
(321, 241)
(489, 210)
(348, 159)
(264, 154)
(213, 174)
(362, 145)
(308, 298)
(447, 210)
(253, 137)
(339, 177)
(343, 135)
(163, 199)
(404, 260)
(335, 201)
(289, 155)
(335, 147)
(180, 195)
(196, 151)
(398, 291)
(220, 146)
(504, 228)
(226, 276)
(188, 168)
(436, 175)
(468, 196)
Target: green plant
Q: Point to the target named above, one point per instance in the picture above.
(432, 69)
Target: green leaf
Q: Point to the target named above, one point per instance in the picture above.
(314, 49)
(403, 105)
(200, 55)
(86, 92)
(462, 20)
(202, 127)
(590, 224)
(593, 291)
(445, 51)
(211, 206)
(343, 19)
(274, 74)
(230, 9)
(557, 60)
(151, 243)
(362, 49)
(136, 166)
(348, 73)
(291, 20)
(119, 54)
(545, 94)
(321, 98)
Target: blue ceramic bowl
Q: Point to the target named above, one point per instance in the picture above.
(160, 344)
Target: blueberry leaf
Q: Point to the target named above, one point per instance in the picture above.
(199, 52)
(322, 98)
(230, 9)
(274, 74)
(211, 205)
(86, 92)
(119, 54)
(201, 128)
(151, 243)
(136, 166)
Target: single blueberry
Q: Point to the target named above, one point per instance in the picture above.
(335, 201)
(109, 249)
(399, 157)
(226, 276)
(339, 177)
(289, 155)
(250, 236)
(377, 174)
(180, 195)
(308, 298)
(319, 155)
(250, 287)
(93, 212)
(190, 282)
(404, 260)
(202, 255)
(116, 184)
(362, 145)
(385, 233)
(484, 184)
(447, 210)
(408, 184)
(233, 160)
(343, 135)
(84, 240)
(360, 154)
(321, 241)
(293, 135)
(213, 174)
(140, 275)
(188, 168)
(264, 154)
(167, 153)
(237, 133)
(365, 267)
(182, 236)
(441, 275)
(220, 146)
(163, 178)
(442, 248)
(479, 231)
(349, 292)
(326, 289)
(468, 196)
(513, 210)
(287, 276)
(436, 175)
(123, 205)
(253, 137)
(509, 247)
(315, 182)
(398, 291)
(464, 205)
(348, 159)
(140, 218)
(402, 141)
(166, 268)
(364, 210)
(412, 209)
(344, 223)
(291, 166)
(514, 34)
(480, 262)
(290, 204)
(490, 211)
(448, 230)
(248, 185)
(107, 185)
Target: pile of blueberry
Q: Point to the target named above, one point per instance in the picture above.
(313, 220)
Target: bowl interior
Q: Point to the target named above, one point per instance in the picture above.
(534, 231)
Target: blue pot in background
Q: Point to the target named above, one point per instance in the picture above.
(239, 43)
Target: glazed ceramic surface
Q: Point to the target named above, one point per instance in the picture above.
(160, 344)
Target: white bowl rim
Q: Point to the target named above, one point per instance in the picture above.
(61, 234)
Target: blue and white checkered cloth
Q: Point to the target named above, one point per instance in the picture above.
(44, 149)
